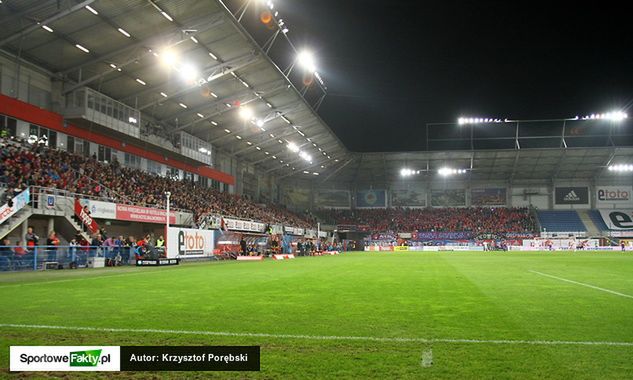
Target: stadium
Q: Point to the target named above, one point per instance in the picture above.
(275, 189)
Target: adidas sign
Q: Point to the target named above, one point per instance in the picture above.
(571, 197)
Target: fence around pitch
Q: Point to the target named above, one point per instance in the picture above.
(19, 258)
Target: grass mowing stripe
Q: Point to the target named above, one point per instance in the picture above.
(327, 337)
(582, 284)
(129, 272)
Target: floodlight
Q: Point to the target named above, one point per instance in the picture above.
(621, 168)
(306, 60)
(293, 147)
(259, 123)
(246, 113)
(477, 120)
(168, 58)
(616, 116)
(189, 72)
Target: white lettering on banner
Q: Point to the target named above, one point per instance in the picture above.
(242, 225)
(618, 219)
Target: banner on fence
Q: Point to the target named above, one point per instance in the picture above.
(18, 202)
(130, 213)
(621, 220)
(83, 213)
(189, 242)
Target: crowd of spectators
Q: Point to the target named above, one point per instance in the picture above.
(23, 165)
(478, 220)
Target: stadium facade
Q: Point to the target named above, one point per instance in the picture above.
(216, 94)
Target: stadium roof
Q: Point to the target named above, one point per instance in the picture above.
(152, 56)
(509, 166)
(192, 65)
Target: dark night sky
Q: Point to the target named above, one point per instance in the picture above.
(393, 66)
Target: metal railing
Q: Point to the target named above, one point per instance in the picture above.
(21, 258)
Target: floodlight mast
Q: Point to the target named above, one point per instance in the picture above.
(167, 201)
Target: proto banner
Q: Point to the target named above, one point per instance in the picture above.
(189, 242)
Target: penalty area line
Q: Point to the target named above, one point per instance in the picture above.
(324, 337)
(582, 284)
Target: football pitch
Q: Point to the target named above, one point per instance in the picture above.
(357, 315)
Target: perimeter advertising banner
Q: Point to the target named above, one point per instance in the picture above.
(85, 217)
(371, 199)
(131, 213)
(408, 198)
(614, 197)
(19, 201)
(189, 242)
(332, 198)
(621, 220)
(488, 197)
(578, 195)
(448, 198)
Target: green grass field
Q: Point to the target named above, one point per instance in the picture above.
(522, 324)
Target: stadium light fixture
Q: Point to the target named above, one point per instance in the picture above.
(293, 147)
(616, 116)
(477, 120)
(124, 32)
(305, 156)
(259, 123)
(188, 72)
(621, 168)
(306, 60)
(445, 171)
(167, 16)
(404, 172)
(82, 48)
(47, 28)
(246, 113)
(168, 58)
(92, 10)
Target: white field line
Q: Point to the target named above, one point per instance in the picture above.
(582, 284)
(324, 337)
